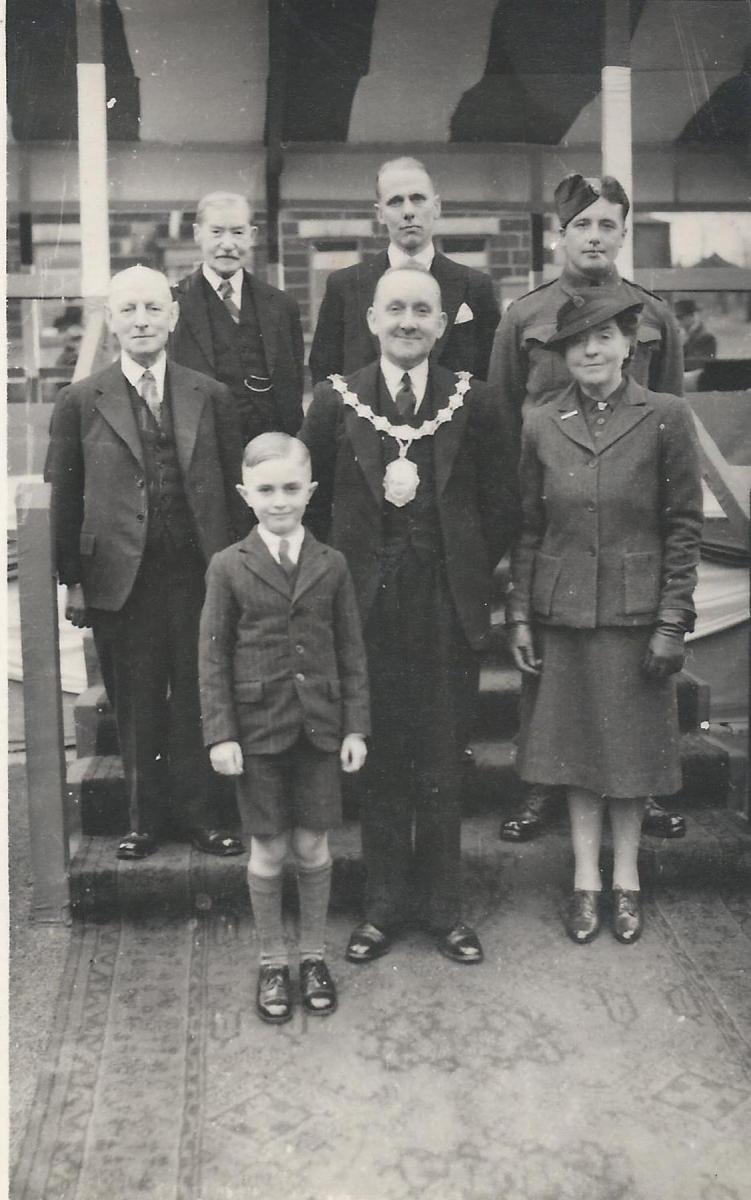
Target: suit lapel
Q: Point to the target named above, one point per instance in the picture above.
(313, 564)
(267, 313)
(188, 403)
(259, 560)
(365, 441)
(365, 282)
(194, 312)
(115, 406)
(569, 418)
(452, 283)
(631, 410)
(448, 437)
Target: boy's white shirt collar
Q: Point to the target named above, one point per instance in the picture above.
(418, 378)
(398, 257)
(133, 371)
(216, 281)
(272, 540)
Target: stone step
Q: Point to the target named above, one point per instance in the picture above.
(178, 881)
(96, 732)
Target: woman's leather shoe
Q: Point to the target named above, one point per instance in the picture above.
(273, 1003)
(525, 826)
(583, 916)
(317, 988)
(367, 943)
(628, 921)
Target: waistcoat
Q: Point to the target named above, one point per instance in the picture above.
(170, 522)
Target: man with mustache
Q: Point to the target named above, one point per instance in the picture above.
(235, 327)
(408, 206)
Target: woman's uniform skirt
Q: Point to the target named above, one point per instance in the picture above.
(594, 720)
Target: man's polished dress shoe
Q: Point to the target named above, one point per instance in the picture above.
(317, 988)
(211, 841)
(658, 822)
(523, 827)
(583, 916)
(367, 943)
(273, 1002)
(136, 845)
(461, 944)
(628, 921)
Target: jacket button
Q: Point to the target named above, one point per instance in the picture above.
(300, 677)
(591, 550)
(140, 517)
(140, 483)
(592, 507)
(300, 649)
(593, 462)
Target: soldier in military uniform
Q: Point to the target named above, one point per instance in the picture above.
(592, 214)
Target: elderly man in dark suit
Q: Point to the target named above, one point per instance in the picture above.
(144, 458)
(592, 215)
(416, 486)
(235, 327)
(408, 206)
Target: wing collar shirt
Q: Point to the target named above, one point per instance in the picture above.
(294, 542)
(418, 377)
(134, 372)
(216, 281)
(398, 258)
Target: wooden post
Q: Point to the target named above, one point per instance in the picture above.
(43, 707)
(616, 113)
(92, 156)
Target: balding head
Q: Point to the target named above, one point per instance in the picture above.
(141, 313)
(406, 315)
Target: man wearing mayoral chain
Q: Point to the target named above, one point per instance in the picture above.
(417, 487)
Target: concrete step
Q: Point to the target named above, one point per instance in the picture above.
(178, 881)
(96, 731)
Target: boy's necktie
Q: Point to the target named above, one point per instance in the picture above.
(285, 562)
(150, 395)
(405, 399)
(225, 291)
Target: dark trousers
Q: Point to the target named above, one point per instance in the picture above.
(423, 679)
(148, 652)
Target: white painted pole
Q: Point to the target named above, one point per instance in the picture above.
(617, 154)
(92, 174)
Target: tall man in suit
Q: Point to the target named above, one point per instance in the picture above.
(416, 486)
(235, 327)
(592, 215)
(408, 205)
(144, 458)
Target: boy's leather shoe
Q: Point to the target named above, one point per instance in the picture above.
(628, 921)
(461, 944)
(317, 988)
(367, 943)
(136, 845)
(273, 1002)
(583, 916)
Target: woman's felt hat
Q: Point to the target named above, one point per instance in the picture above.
(582, 312)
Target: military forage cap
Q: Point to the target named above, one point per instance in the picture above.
(581, 313)
(575, 193)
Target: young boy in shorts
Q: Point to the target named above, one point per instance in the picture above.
(284, 699)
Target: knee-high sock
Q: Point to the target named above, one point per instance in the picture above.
(266, 900)
(314, 887)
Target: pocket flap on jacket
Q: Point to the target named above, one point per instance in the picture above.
(249, 692)
(335, 689)
(86, 543)
(539, 333)
(641, 578)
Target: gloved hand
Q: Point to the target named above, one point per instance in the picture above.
(522, 647)
(665, 653)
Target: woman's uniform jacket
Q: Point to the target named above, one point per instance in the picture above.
(611, 528)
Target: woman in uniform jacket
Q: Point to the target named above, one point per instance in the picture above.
(601, 595)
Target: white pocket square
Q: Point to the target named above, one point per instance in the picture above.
(464, 314)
